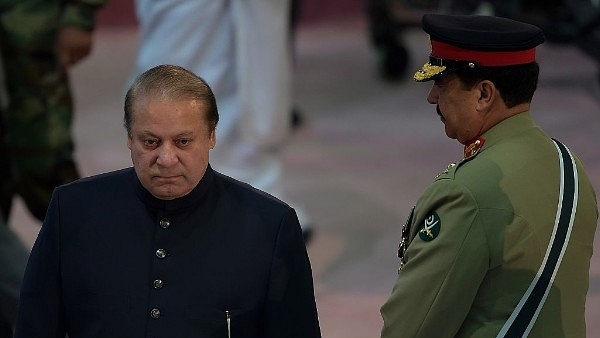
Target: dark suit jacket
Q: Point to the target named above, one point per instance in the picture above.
(113, 261)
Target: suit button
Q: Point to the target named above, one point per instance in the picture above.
(161, 253)
(155, 313)
(158, 284)
(164, 223)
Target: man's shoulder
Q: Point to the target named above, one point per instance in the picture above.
(117, 178)
(249, 194)
(252, 202)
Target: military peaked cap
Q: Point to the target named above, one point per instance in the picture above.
(469, 41)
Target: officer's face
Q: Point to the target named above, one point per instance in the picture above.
(457, 108)
(170, 142)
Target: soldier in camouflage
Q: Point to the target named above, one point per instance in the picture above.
(39, 40)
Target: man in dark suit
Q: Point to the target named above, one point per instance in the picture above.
(168, 248)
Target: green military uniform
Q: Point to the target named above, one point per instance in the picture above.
(478, 236)
(36, 145)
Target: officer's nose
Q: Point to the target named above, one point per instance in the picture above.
(433, 95)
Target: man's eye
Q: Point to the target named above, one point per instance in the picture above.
(184, 142)
(150, 142)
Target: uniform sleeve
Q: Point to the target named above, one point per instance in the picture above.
(41, 312)
(291, 309)
(436, 287)
(80, 13)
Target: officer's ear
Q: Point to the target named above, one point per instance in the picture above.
(487, 95)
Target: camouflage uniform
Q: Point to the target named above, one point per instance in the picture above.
(36, 110)
(36, 146)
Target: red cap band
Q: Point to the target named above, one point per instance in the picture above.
(489, 58)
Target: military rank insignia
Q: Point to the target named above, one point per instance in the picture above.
(450, 166)
(472, 147)
(430, 228)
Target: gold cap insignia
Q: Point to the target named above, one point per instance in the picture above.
(427, 72)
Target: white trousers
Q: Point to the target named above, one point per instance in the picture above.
(242, 49)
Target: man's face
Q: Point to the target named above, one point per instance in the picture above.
(169, 143)
(457, 108)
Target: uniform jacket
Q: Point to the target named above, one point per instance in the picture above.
(113, 261)
(479, 235)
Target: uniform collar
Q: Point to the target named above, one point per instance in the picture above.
(472, 147)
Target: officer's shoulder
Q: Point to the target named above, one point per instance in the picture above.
(473, 170)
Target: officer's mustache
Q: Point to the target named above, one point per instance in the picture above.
(439, 112)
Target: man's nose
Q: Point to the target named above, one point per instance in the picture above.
(167, 155)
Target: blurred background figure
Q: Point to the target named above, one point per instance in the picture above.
(297, 117)
(243, 50)
(39, 41)
(385, 27)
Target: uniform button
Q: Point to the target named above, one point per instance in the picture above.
(164, 223)
(158, 284)
(155, 313)
(161, 253)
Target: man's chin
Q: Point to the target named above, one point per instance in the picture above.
(449, 134)
(168, 192)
